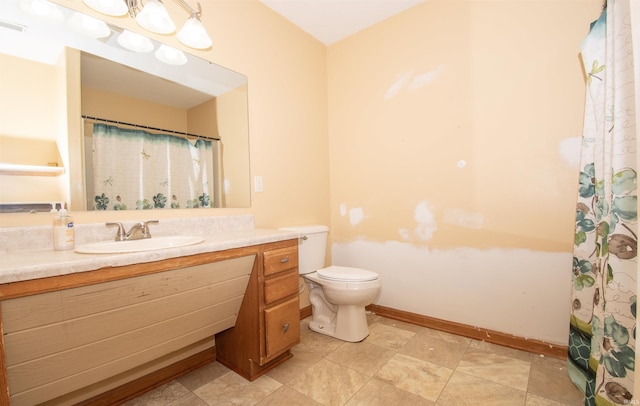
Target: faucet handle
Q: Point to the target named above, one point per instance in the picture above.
(120, 233)
(145, 227)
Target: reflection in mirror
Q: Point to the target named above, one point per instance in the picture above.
(52, 77)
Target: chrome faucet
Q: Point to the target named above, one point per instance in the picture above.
(137, 232)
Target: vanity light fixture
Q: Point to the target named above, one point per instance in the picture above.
(153, 16)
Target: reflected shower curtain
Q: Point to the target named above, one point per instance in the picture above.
(135, 169)
(602, 339)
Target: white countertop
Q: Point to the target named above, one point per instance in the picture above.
(21, 265)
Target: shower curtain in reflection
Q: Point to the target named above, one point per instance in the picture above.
(602, 338)
(135, 169)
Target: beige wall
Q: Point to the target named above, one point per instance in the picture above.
(287, 76)
(454, 130)
(114, 106)
(481, 82)
(234, 133)
(31, 98)
(38, 102)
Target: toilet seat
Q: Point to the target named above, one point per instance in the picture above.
(346, 274)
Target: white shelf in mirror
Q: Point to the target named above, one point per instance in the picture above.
(30, 170)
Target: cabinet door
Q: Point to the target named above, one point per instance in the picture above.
(282, 325)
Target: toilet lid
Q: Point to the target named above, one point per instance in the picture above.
(343, 273)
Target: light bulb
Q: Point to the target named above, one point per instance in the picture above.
(194, 35)
(89, 26)
(155, 18)
(41, 9)
(134, 42)
(170, 55)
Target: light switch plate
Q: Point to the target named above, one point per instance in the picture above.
(258, 186)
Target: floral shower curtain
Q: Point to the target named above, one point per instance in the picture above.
(135, 169)
(602, 339)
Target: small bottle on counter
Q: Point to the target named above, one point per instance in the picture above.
(63, 232)
(54, 211)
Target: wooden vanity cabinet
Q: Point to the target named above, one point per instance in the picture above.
(268, 324)
(100, 337)
(134, 327)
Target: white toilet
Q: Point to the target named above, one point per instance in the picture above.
(338, 294)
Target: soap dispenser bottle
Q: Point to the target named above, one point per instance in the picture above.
(63, 232)
(54, 211)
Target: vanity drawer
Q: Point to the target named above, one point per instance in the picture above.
(282, 325)
(280, 286)
(280, 260)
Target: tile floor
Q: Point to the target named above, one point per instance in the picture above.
(398, 364)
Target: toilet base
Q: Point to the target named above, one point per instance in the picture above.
(349, 324)
(326, 329)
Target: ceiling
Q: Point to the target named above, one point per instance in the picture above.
(330, 21)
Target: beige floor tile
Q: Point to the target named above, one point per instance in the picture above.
(161, 395)
(467, 390)
(398, 364)
(329, 383)
(497, 368)
(203, 375)
(535, 400)
(191, 399)
(289, 397)
(446, 336)
(363, 357)
(498, 349)
(232, 389)
(317, 343)
(395, 323)
(387, 336)
(294, 367)
(373, 318)
(380, 393)
(437, 347)
(414, 375)
(549, 379)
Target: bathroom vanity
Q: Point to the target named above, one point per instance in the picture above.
(98, 329)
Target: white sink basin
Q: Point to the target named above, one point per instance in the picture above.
(148, 244)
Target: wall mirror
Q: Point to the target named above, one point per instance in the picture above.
(61, 88)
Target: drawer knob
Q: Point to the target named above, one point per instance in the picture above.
(284, 260)
(285, 327)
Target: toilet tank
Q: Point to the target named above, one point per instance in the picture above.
(312, 247)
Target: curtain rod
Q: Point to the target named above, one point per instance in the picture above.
(184, 134)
